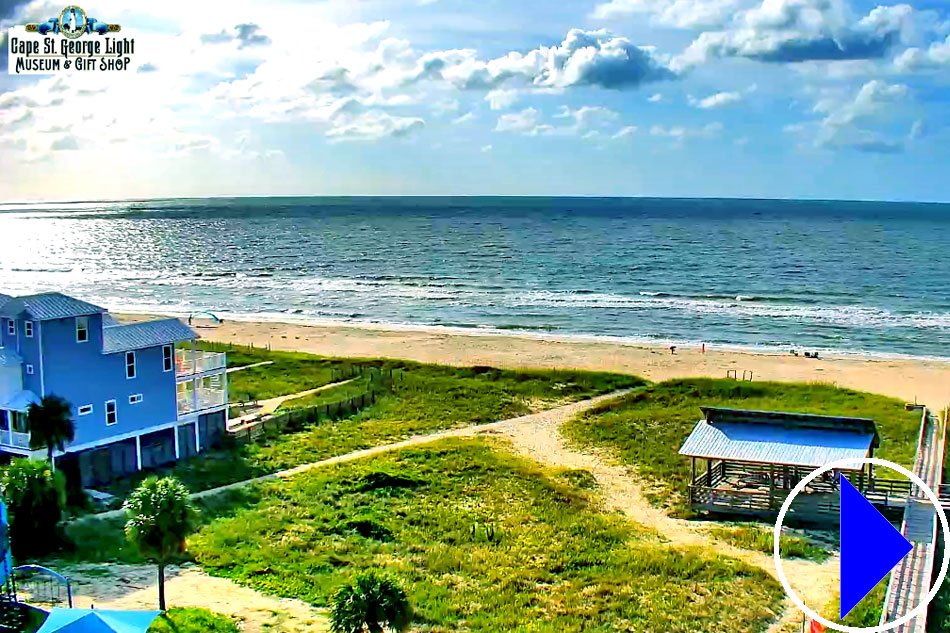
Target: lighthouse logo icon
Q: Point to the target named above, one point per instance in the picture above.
(72, 22)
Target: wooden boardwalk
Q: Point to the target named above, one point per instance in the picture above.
(912, 578)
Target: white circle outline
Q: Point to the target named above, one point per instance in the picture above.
(777, 531)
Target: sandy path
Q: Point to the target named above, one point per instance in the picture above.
(134, 587)
(272, 404)
(539, 438)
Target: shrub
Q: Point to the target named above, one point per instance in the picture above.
(193, 621)
(374, 603)
(35, 497)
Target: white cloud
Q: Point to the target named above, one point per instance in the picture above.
(486, 149)
(465, 118)
(680, 134)
(911, 59)
(501, 99)
(625, 132)
(794, 31)
(718, 100)
(655, 98)
(524, 122)
(375, 125)
(686, 14)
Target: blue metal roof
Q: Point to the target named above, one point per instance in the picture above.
(20, 401)
(48, 305)
(775, 444)
(9, 358)
(123, 338)
(3, 299)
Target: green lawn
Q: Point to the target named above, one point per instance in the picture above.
(755, 538)
(355, 388)
(422, 399)
(483, 541)
(193, 621)
(647, 428)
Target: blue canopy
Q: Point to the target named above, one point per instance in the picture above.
(95, 621)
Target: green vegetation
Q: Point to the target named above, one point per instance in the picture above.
(373, 603)
(355, 388)
(51, 424)
(160, 516)
(482, 541)
(423, 399)
(193, 621)
(35, 498)
(759, 539)
(647, 427)
(866, 613)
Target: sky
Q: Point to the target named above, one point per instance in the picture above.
(832, 99)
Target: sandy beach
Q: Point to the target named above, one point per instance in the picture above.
(913, 380)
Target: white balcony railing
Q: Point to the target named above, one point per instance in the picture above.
(189, 363)
(15, 439)
(207, 398)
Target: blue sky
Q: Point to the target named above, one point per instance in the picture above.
(744, 98)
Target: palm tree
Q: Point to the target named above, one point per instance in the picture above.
(51, 424)
(160, 516)
(374, 603)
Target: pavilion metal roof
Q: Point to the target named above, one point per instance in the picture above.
(48, 305)
(774, 437)
(123, 338)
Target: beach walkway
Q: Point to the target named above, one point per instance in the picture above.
(266, 407)
(912, 578)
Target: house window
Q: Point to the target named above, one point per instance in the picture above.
(112, 415)
(130, 364)
(11, 327)
(135, 399)
(28, 329)
(85, 409)
(82, 329)
(168, 357)
(29, 369)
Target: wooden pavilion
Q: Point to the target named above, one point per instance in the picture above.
(746, 462)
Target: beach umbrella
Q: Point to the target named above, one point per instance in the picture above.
(95, 621)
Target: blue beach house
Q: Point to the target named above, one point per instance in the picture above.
(141, 394)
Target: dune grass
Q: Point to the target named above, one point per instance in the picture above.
(759, 539)
(483, 541)
(424, 398)
(647, 427)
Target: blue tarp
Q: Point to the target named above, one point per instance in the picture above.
(96, 621)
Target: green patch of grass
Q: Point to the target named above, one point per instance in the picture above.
(938, 618)
(866, 613)
(95, 540)
(482, 541)
(193, 621)
(758, 539)
(647, 427)
(421, 399)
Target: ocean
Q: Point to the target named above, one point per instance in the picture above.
(849, 277)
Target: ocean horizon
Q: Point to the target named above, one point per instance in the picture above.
(842, 277)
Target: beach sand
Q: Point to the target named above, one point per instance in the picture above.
(912, 380)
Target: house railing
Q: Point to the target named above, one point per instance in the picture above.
(207, 398)
(189, 363)
(14, 439)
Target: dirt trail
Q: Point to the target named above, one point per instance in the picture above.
(268, 406)
(134, 587)
(540, 439)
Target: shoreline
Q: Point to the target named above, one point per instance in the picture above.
(911, 379)
(267, 318)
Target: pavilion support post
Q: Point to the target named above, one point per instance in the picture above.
(709, 473)
(692, 479)
(771, 486)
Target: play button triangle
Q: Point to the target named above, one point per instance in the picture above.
(870, 547)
